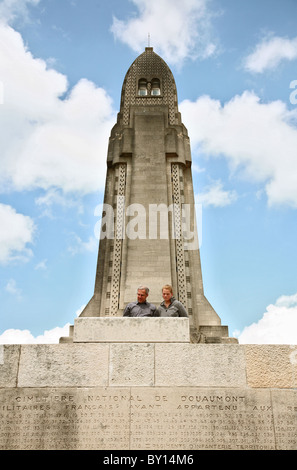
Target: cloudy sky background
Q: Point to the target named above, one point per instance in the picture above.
(62, 64)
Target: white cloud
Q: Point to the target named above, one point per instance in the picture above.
(287, 301)
(278, 324)
(259, 140)
(16, 232)
(12, 9)
(80, 246)
(54, 197)
(270, 53)
(216, 196)
(13, 336)
(41, 265)
(177, 29)
(53, 137)
(11, 288)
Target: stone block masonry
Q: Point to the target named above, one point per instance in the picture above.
(126, 396)
(131, 329)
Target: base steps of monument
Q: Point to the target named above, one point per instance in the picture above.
(143, 330)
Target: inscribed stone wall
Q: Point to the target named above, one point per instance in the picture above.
(185, 418)
(122, 396)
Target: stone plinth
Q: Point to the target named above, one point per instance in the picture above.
(117, 395)
(131, 330)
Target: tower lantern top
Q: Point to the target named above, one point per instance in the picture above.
(149, 82)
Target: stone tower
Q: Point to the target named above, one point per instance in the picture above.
(148, 233)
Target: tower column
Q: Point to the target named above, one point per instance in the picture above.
(149, 236)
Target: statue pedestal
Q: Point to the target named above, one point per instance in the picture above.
(131, 330)
(143, 330)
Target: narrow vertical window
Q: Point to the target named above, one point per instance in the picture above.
(142, 87)
(156, 87)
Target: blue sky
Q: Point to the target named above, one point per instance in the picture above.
(62, 65)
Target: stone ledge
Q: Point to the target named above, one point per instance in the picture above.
(131, 330)
(149, 364)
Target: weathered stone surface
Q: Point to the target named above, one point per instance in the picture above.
(63, 365)
(182, 418)
(127, 329)
(132, 364)
(271, 366)
(64, 418)
(284, 403)
(201, 418)
(201, 365)
(147, 396)
(9, 363)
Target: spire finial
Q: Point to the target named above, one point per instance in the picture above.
(149, 40)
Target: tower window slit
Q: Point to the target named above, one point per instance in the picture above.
(142, 87)
(156, 87)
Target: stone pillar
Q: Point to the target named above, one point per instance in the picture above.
(149, 190)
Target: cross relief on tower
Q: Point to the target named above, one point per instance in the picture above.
(149, 194)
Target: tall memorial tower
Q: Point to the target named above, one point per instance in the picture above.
(120, 383)
(148, 234)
